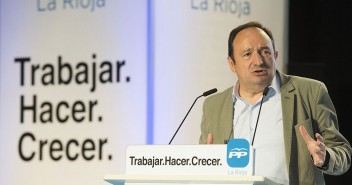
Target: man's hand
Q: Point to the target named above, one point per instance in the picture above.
(210, 139)
(316, 148)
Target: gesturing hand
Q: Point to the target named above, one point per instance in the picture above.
(316, 148)
(210, 139)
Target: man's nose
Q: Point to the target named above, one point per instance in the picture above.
(258, 59)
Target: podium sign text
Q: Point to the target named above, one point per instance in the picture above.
(188, 160)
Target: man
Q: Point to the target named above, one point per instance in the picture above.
(297, 137)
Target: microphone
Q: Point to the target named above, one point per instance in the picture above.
(265, 92)
(211, 91)
(207, 93)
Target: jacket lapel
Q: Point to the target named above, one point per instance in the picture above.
(227, 116)
(288, 111)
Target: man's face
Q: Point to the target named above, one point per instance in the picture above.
(255, 58)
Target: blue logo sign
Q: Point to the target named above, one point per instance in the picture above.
(238, 153)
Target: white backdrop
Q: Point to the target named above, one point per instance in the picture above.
(80, 80)
(191, 56)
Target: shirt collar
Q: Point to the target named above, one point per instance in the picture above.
(274, 88)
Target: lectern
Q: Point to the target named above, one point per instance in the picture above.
(187, 164)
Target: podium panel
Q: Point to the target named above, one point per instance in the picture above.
(183, 160)
(189, 164)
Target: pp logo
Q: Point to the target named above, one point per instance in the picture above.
(238, 153)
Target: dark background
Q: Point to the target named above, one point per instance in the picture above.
(320, 47)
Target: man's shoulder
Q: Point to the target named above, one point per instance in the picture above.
(302, 86)
(300, 81)
(221, 96)
(216, 103)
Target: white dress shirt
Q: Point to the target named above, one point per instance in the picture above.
(269, 140)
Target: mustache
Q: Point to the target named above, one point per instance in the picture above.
(263, 68)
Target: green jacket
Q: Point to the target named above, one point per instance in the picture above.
(304, 101)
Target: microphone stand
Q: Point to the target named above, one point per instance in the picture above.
(211, 91)
(184, 118)
(265, 92)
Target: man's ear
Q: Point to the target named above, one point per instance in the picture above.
(231, 63)
(276, 54)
